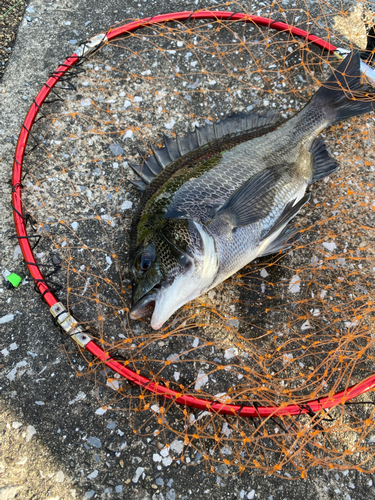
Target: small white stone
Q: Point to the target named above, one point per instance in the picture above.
(6, 318)
(113, 384)
(60, 477)
(93, 474)
(230, 353)
(30, 431)
(329, 245)
(12, 374)
(167, 461)
(306, 325)
(138, 474)
(295, 284)
(17, 252)
(126, 205)
(177, 446)
(201, 380)
(80, 396)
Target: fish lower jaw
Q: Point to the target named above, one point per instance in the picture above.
(168, 303)
(157, 325)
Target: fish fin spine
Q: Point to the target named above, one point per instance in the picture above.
(235, 124)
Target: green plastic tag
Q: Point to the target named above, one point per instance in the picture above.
(14, 279)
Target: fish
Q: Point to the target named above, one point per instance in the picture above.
(222, 196)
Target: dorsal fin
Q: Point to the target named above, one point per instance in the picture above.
(233, 125)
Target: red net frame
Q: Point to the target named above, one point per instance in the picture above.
(49, 296)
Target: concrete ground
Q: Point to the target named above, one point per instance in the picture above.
(53, 444)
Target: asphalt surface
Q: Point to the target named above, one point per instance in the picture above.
(54, 442)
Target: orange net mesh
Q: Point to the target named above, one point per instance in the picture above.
(288, 328)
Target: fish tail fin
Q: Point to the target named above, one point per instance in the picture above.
(343, 95)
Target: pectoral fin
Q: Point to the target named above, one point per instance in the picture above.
(252, 201)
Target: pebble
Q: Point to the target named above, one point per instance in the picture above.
(60, 477)
(6, 318)
(126, 205)
(95, 442)
(30, 431)
(89, 494)
(170, 495)
(138, 474)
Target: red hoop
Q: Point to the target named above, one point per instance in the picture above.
(50, 298)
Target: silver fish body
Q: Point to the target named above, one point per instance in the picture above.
(228, 200)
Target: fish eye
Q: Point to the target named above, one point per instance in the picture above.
(144, 261)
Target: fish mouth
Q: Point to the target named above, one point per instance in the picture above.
(145, 306)
(152, 304)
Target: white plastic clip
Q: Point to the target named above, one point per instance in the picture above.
(87, 48)
(69, 325)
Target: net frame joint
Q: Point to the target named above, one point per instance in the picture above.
(69, 325)
(91, 45)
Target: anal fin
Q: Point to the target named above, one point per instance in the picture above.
(284, 241)
(290, 211)
(324, 164)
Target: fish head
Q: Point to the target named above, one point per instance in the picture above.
(176, 264)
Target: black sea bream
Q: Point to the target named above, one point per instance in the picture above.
(223, 196)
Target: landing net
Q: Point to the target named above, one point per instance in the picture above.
(273, 369)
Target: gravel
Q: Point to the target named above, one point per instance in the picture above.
(11, 13)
